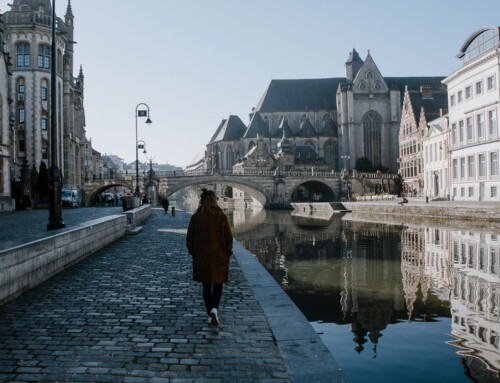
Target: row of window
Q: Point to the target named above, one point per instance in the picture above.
(476, 89)
(24, 55)
(22, 149)
(43, 90)
(435, 152)
(475, 128)
(411, 168)
(469, 191)
(475, 166)
(22, 118)
(409, 148)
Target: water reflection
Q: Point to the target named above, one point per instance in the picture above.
(374, 280)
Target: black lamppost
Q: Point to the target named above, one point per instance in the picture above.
(55, 206)
(139, 113)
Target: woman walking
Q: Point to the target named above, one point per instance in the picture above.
(210, 242)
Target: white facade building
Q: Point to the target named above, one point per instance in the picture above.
(474, 96)
(436, 159)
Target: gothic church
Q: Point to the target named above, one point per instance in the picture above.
(340, 119)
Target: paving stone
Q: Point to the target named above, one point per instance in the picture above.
(129, 314)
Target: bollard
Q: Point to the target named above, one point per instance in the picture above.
(173, 211)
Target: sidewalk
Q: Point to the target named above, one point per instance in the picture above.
(131, 313)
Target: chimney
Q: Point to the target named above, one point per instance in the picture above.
(426, 91)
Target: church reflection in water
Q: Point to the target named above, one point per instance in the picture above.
(370, 276)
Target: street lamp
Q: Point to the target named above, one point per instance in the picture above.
(55, 203)
(139, 113)
(345, 158)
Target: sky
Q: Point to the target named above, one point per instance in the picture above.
(195, 62)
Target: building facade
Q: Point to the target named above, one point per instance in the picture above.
(436, 159)
(28, 39)
(419, 107)
(474, 97)
(356, 117)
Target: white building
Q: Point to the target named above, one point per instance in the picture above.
(474, 96)
(436, 161)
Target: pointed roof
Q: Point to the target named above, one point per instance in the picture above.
(284, 125)
(306, 129)
(217, 131)
(230, 130)
(69, 10)
(329, 128)
(354, 57)
(429, 105)
(257, 126)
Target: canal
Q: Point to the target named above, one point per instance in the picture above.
(393, 302)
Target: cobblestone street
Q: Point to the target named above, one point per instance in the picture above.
(131, 313)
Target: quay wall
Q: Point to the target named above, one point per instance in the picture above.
(28, 264)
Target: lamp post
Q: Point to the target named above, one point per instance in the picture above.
(139, 113)
(55, 205)
(345, 158)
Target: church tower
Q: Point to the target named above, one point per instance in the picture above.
(353, 65)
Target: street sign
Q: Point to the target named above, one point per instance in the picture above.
(128, 178)
(142, 113)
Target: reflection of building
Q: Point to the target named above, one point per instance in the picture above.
(475, 298)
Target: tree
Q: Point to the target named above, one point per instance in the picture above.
(364, 165)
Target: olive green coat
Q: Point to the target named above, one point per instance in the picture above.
(210, 242)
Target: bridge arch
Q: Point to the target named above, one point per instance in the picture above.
(313, 191)
(95, 189)
(248, 187)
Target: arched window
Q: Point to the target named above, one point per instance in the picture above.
(377, 85)
(303, 119)
(23, 55)
(331, 153)
(362, 85)
(229, 158)
(283, 117)
(310, 144)
(266, 121)
(43, 57)
(369, 74)
(43, 92)
(59, 62)
(372, 124)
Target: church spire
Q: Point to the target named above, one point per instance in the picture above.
(69, 10)
(80, 75)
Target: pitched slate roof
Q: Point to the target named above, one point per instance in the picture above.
(329, 128)
(354, 57)
(304, 154)
(292, 95)
(306, 129)
(432, 105)
(288, 130)
(229, 130)
(257, 126)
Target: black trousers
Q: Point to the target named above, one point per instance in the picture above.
(211, 295)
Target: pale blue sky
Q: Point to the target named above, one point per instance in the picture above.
(195, 62)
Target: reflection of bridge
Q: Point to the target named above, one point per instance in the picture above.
(265, 187)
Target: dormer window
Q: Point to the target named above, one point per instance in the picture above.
(377, 85)
(362, 85)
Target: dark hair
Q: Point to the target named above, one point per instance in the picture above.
(208, 202)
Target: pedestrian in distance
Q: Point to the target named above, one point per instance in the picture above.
(165, 203)
(210, 243)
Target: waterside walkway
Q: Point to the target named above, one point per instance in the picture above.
(131, 313)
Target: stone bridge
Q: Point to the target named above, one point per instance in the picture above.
(267, 188)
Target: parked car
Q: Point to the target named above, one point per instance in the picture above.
(70, 198)
(108, 197)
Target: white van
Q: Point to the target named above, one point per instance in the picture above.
(70, 198)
